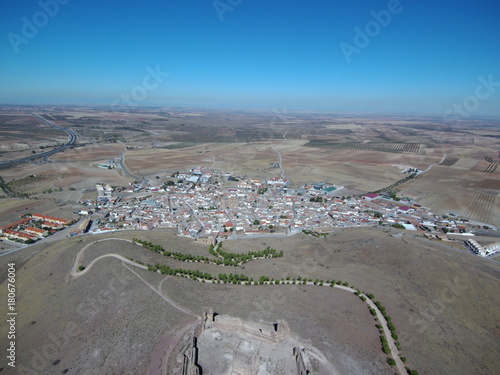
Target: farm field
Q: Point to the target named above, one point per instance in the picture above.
(482, 207)
(65, 182)
(361, 153)
(367, 170)
(368, 146)
(229, 187)
(433, 190)
(90, 153)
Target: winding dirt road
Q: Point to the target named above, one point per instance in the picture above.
(126, 262)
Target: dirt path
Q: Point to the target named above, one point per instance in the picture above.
(74, 270)
(394, 350)
(161, 356)
(75, 273)
(126, 262)
(164, 297)
(432, 165)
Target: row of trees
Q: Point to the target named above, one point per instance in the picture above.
(383, 340)
(193, 274)
(391, 189)
(315, 234)
(235, 259)
(183, 257)
(317, 199)
(224, 258)
(235, 278)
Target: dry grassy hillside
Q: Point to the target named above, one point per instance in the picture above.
(443, 302)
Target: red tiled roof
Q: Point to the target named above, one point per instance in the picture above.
(15, 224)
(36, 230)
(49, 224)
(50, 218)
(18, 234)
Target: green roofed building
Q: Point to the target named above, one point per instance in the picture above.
(329, 189)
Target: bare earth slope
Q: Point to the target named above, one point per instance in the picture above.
(116, 318)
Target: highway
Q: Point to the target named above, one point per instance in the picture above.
(280, 160)
(44, 155)
(124, 168)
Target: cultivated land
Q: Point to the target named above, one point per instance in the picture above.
(358, 152)
(442, 301)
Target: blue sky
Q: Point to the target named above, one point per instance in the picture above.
(426, 58)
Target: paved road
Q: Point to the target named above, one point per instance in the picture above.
(20, 247)
(486, 233)
(60, 235)
(264, 235)
(197, 219)
(124, 168)
(44, 155)
(280, 161)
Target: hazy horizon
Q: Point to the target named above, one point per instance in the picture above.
(381, 57)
